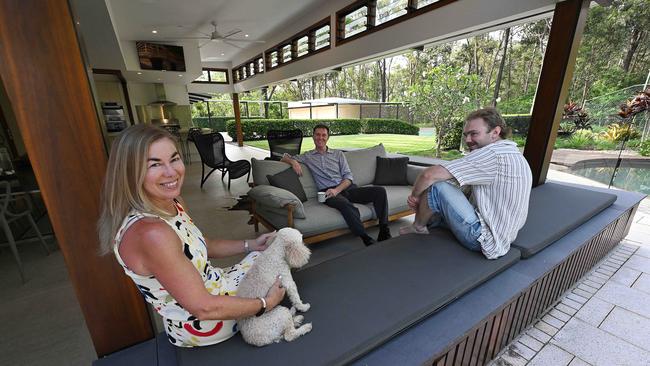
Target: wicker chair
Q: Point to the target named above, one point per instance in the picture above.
(281, 142)
(212, 149)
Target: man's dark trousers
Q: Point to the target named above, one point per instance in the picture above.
(353, 194)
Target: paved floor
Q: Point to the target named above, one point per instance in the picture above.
(604, 320)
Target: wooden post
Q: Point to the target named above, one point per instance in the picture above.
(554, 81)
(235, 107)
(48, 87)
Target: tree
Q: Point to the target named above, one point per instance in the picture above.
(442, 94)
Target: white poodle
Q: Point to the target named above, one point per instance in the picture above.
(285, 252)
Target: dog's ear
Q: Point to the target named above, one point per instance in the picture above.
(297, 253)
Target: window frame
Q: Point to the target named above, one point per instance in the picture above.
(243, 72)
(209, 81)
(371, 27)
(310, 32)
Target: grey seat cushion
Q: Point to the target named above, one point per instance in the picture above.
(262, 168)
(318, 218)
(397, 196)
(553, 211)
(363, 163)
(361, 300)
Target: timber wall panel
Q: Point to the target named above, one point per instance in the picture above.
(47, 85)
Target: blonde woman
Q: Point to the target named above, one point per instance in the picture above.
(145, 225)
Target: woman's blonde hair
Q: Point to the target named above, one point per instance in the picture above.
(123, 188)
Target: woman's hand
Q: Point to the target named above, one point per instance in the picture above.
(262, 242)
(275, 294)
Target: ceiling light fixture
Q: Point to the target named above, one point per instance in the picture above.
(246, 35)
(139, 73)
(223, 54)
(154, 31)
(180, 75)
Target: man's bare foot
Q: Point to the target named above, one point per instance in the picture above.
(413, 229)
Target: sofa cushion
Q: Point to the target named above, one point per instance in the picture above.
(546, 223)
(277, 198)
(319, 218)
(391, 171)
(363, 164)
(288, 179)
(397, 196)
(361, 300)
(262, 168)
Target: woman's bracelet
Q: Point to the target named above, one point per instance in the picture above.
(263, 309)
(247, 249)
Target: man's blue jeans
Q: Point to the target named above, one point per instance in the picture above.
(452, 210)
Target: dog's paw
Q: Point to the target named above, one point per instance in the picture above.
(302, 307)
(305, 328)
(297, 320)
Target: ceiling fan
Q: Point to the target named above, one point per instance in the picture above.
(215, 36)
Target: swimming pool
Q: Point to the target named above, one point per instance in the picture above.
(630, 177)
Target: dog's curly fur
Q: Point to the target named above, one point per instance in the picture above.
(285, 252)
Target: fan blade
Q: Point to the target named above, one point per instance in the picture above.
(245, 40)
(232, 44)
(181, 38)
(232, 33)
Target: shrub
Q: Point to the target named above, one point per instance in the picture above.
(215, 123)
(519, 123)
(634, 143)
(644, 148)
(619, 132)
(255, 129)
(386, 125)
(451, 139)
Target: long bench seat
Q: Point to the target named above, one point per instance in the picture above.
(374, 305)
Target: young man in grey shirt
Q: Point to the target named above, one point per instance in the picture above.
(333, 176)
(499, 179)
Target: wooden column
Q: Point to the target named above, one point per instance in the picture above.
(235, 107)
(554, 81)
(48, 87)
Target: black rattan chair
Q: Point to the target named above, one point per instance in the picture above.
(281, 142)
(212, 149)
(193, 131)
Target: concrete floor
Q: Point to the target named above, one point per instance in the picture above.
(42, 319)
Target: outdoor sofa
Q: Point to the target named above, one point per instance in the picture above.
(276, 207)
(424, 299)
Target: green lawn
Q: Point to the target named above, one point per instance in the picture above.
(403, 144)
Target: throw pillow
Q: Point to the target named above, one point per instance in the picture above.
(391, 172)
(274, 199)
(288, 179)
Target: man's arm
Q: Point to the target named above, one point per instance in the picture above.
(286, 158)
(428, 177)
(345, 183)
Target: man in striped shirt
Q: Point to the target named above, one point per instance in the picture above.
(499, 179)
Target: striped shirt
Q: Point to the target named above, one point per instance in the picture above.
(328, 169)
(500, 182)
